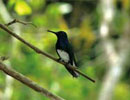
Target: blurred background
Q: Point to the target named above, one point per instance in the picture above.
(99, 31)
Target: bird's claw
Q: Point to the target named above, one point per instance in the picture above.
(67, 63)
(60, 60)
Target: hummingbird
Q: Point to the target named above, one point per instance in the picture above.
(65, 51)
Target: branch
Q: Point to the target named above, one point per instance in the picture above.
(43, 53)
(21, 22)
(28, 82)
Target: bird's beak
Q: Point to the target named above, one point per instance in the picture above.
(51, 31)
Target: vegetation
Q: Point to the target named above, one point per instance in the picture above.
(82, 20)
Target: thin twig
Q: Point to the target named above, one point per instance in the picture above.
(43, 53)
(21, 22)
(28, 82)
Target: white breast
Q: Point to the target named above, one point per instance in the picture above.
(64, 55)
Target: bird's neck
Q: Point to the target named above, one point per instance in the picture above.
(62, 40)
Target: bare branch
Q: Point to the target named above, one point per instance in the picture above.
(21, 22)
(43, 53)
(28, 82)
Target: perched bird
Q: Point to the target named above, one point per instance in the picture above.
(65, 51)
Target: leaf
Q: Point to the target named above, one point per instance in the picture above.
(22, 8)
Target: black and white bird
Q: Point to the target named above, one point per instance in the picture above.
(65, 51)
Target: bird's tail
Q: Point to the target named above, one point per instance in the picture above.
(72, 72)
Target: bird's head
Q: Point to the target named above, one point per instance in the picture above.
(59, 34)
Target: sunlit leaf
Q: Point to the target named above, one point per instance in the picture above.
(22, 8)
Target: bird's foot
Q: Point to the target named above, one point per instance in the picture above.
(67, 63)
(60, 60)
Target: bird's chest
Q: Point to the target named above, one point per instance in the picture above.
(61, 48)
(63, 55)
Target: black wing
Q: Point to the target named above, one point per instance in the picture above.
(71, 55)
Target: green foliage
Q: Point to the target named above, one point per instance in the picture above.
(48, 14)
(22, 8)
(122, 92)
